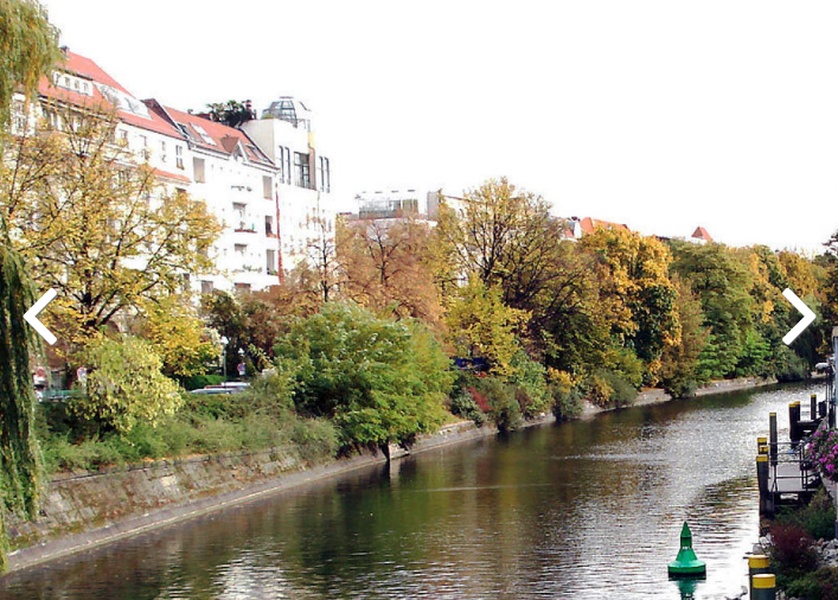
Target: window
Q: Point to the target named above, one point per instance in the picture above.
(269, 226)
(240, 249)
(270, 260)
(163, 151)
(122, 137)
(204, 135)
(302, 175)
(324, 177)
(240, 216)
(267, 187)
(284, 164)
(144, 147)
(242, 287)
(198, 166)
(206, 286)
(179, 157)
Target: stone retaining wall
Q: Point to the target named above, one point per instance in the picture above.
(83, 510)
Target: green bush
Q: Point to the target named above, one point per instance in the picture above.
(379, 381)
(566, 402)
(504, 409)
(788, 366)
(609, 389)
(464, 405)
(821, 584)
(531, 385)
(817, 518)
(196, 382)
(125, 387)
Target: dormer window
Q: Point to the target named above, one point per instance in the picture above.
(72, 83)
(204, 135)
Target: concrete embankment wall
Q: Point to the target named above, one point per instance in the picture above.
(83, 510)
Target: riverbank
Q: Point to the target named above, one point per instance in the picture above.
(656, 395)
(81, 511)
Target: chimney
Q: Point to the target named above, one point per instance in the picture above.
(248, 105)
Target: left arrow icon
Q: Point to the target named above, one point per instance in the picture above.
(31, 316)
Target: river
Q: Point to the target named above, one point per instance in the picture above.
(585, 510)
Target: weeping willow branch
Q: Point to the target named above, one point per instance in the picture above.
(19, 464)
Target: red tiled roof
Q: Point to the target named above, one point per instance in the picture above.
(86, 69)
(224, 138)
(701, 233)
(590, 225)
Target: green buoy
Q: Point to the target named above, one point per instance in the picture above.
(686, 564)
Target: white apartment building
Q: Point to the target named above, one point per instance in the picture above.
(307, 210)
(266, 183)
(237, 181)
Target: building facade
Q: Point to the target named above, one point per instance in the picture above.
(265, 182)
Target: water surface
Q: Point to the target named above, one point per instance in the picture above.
(585, 510)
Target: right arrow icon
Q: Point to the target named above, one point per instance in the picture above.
(808, 317)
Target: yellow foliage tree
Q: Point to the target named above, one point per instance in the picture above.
(481, 325)
(178, 336)
(96, 226)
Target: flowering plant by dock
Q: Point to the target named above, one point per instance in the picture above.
(823, 451)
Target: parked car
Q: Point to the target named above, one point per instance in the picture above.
(228, 387)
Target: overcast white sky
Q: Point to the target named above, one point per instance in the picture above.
(663, 115)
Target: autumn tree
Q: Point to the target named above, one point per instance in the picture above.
(387, 267)
(96, 226)
(125, 386)
(177, 335)
(504, 236)
(481, 325)
(636, 292)
(679, 374)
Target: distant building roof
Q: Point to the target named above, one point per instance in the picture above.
(589, 225)
(701, 234)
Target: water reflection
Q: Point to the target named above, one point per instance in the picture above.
(585, 510)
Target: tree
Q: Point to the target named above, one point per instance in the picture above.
(178, 336)
(232, 113)
(387, 267)
(125, 386)
(506, 237)
(380, 381)
(722, 283)
(637, 293)
(28, 51)
(481, 325)
(97, 227)
(679, 362)
(321, 269)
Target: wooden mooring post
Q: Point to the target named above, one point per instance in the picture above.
(766, 499)
(795, 434)
(772, 438)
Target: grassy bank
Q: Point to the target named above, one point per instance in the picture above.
(206, 424)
